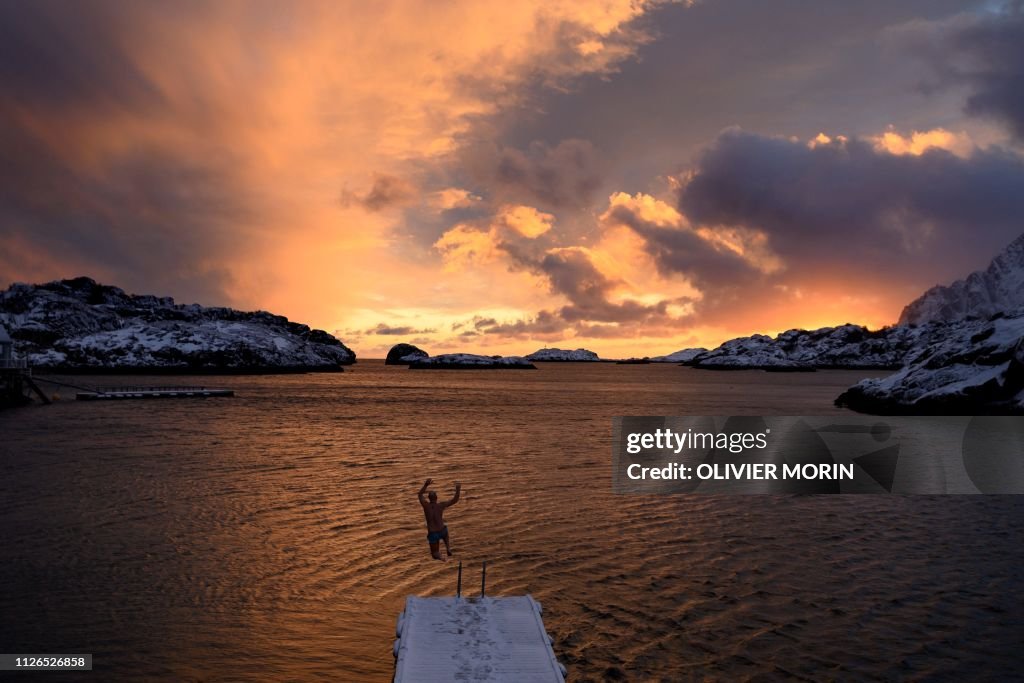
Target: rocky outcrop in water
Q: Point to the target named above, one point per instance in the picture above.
(403, 354)
(78, 325)
(469, 361)
(685, 356)
(972, 366)
(982, 294)
(847, 346)
(563, 356)
(969, 357)
(976, 368)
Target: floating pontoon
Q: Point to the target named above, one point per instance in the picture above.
(151, 392)
(497, 639)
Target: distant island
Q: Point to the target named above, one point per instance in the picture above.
(685, 356)
(80, 325)
(418, 359)
(470, 361)
(563, 356)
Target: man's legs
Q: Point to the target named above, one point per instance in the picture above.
(447, 547)
(435, 550)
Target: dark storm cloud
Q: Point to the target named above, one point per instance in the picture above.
(986, 53)
(788, 67)
(385, 192)
(149, 216)
(561, 177)
(150, 219)
(853, 207)
(48, 60)
(836, 213)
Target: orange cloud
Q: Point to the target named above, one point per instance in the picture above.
(918, 142)
(464, 246)
(290, 108)
(453, 198)
(526, 220)
(276, 160)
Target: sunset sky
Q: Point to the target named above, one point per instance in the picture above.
(630, 177)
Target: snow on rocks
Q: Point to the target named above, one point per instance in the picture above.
(82, 325)
(563, 356)
(982, 294)
(685, 356)
(845, 346)
(968, 355)
(978, 368)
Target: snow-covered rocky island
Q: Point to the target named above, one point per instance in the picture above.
(470, 361)
(403, 354)
(977, 368)
(686, 356)
(972, 360)
(982, 294)
(80, 325)
(563, 356)
(843, 347)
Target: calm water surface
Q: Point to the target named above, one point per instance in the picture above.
(275, 535)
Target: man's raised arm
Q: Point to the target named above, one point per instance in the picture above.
(423, 490)
(455, 498)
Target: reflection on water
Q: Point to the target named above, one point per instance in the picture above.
(276, 534)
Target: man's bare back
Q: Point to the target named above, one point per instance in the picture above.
(434, 513)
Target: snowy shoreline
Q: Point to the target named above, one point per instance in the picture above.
(81, 326)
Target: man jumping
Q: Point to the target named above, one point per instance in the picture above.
(434, 512)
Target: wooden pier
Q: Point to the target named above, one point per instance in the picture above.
(15, 385)
(125, 393)
(15, 376)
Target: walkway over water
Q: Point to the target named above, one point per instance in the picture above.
(474, 639)
(151, 392)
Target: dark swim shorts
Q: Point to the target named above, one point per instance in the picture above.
(436, 536)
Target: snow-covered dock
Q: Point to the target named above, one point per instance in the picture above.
(500, 640)
(151, 392)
